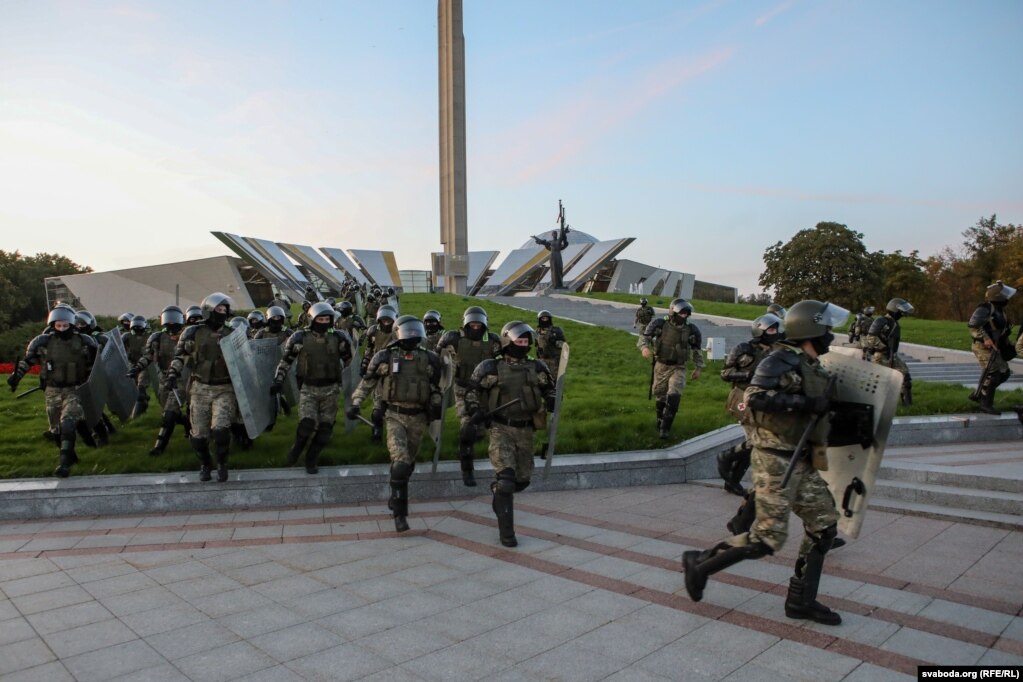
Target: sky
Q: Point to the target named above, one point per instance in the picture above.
(706, 130)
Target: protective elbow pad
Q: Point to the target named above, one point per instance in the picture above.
(777, 402)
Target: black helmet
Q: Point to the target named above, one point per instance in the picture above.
(210, 303)
(238, 322)
(193, 314)
(256, 319)
(643, 301)
(172, 307)
(319, 309)
(761, 328)
(139, 323)
(345, 308)
(125, 319)
(811, 319)
(999, 292)
(83, 318)
(869, 310)
(390, 291)
(168, 317)
(544, 313)
(777, 309)
(474, 313)
(410, 332)
(679, 306)
(387, 312)
(61, 314)
(330, 300)
(431, 315)
(275, 311)
(517, 338)
(900, 306)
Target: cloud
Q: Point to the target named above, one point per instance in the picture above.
(775, 11)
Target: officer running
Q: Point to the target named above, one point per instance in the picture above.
(990, 331)
(644, 313)
(160, 349)
(549, 340)
(882, 342)
(670, 342)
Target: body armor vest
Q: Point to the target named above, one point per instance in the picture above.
(280, 336)
(379, 339)
(470, 354)
(672, 345)
(644, 315)
(134, 345)
(408, 378)
(66, 365)
(735, 396)
(164, 350)
(786, 428)
(517, 380)
(319, 363)
(546, 340)
(210, 367)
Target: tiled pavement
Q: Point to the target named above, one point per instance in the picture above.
(591, 593)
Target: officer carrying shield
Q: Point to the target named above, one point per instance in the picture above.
(160, 349)
(549, 340)
(882, 343)
(990, 331)
(787, 398)
(377, 337)
(671, 341)
(276, 326)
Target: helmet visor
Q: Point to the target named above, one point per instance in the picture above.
(832, 315)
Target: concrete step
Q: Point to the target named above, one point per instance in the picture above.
(949, 478)
(993, 501)
(971, 516)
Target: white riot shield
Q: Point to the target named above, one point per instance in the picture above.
(852, 468)
(559, 393)
(350, 378)
(92, 394)
(122, 392)
(447, 379)
(360, 305)
(251, 364)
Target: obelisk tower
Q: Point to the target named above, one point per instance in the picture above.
(453, 223)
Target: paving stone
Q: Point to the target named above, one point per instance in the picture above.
(802, 662)
(257, 532)
(191, 639)
(927, 647)
(101, 571)
(278, 673)
(636, 674)
(571, 663)
(8, 610)
(141, 600)
(161, 673)
(224, 663)
(889, 598)
(121, 584)
(193, 589)
(868, 672)
(51, 599)
(667, 625)
(177, 572)
(225, 603)
(404, 643)
(966, 616)
(714, 650)
(359, 622)
(467, 660)
(324, 603)
(992, 657)
(47, 672)
(296, 641)
(35, 583)
(259, 573)
(262, 620)
(344, 662)
(623, 643)
(106, 664)
(168, 538)
(62, 618)
(257, 516)
(16, 630)
(74, 641)
(12, 570)
(163, 619)
(24, 654)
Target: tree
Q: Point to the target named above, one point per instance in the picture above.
(904, 277)
(827, 263)
(22, 296)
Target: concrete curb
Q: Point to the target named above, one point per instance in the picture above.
(693, 459)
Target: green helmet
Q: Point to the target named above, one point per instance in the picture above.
(999, 292)
(776, 309)
(811, 319)
(901, 306)
(679, 306)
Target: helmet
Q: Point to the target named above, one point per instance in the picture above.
(125, 319)
(168, 317)
(999, 292)
(172, 307)
(678, 306)
(319, 309)
(331, 300)
(760, 329)
(256, 319)
(810, 319)
(345, 308)
(544, 313)
(61, 314)
(410, 331)
(210, 303)
(643, 301)
(869, 310)
(390, 291)
(140, 323)
(431, 315)
(238, 323)
(474, 313)
(193, 314)
(386, 311)
(83, 318)
(517, 338)
(900, 306)
(777, 309)
(275, 311)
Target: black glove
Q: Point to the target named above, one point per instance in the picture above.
(133, 373)
(352, 413)
(13, 381)
(435, 407)
(818, 404)
(477, 416)
(550, 400)
(170, 381)
(276, 387)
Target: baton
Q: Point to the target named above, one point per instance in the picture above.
(28, 392)
(364, 420)
(177, 398)
(801, 445)
(653, 368)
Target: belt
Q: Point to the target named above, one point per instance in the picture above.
(320, 383)
(405, 410)
(516, 423)
(667, 362)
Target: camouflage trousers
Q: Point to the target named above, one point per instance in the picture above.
(463, 414)
(319, 403)
(669, 380)
(807, 496)
(167, 400)
(404, 434)
(61, 404)
(511, 447)
(984, 355)
(895, 362)
(211, 407)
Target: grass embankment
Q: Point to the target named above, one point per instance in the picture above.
(940, 333)
(606, 409)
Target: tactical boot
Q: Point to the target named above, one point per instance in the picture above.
(320, 440)
(698, 566)
(907, 391)
(202, 451)
(63, 469)
(503, 507)
(800, 604)
(660, 412)
(398, 504)
(109, 424)
(100, 433)
(670, 409)
(302, 435)
(52, 436)
(221, 447)
(67, 449)
(164, 435)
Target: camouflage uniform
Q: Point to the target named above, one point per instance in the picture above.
(409, 383)
(644, 314)
(160, 350)
(740, 365)
(859, 329)
(374, 340)
(549, 341)
(672, 345)
(882, 344)
(989, 322)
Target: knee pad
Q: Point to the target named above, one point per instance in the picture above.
(400, 472)
(520, 486)
(68, 428)
(825, 539)
(756, 550)
(467, 433)
(221, 437)
(305, 428)
(505, 482)
(323, 434)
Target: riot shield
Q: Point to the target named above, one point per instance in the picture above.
(251, 364)
(559, 393)
(360, 305)
(869, 392)
(93, 393)
(350, 377)
(152, 377)
(122, 392)
(447, 379)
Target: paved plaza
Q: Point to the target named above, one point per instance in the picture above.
(591, 593)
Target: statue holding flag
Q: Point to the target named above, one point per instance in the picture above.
(557, 242)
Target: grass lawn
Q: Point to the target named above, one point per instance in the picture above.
(940, 333)
(606, 409)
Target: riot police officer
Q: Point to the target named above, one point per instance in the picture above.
(787, 396)
(193, 315)
(408, 376)
(68, 357)
(85, 323)
(212, 403)
(882, 342)
(860, 327)
(549, 340)
(990, 331)
(276, 325)
(671, 341)
(740, 365)
(434, 328)
(378, 336)
(256, 321)
(470, 345)
(160, 349)
(776, 309)
(125, 322)
(321, 353)
(348, 320)
(644, 314)
(512, 393)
